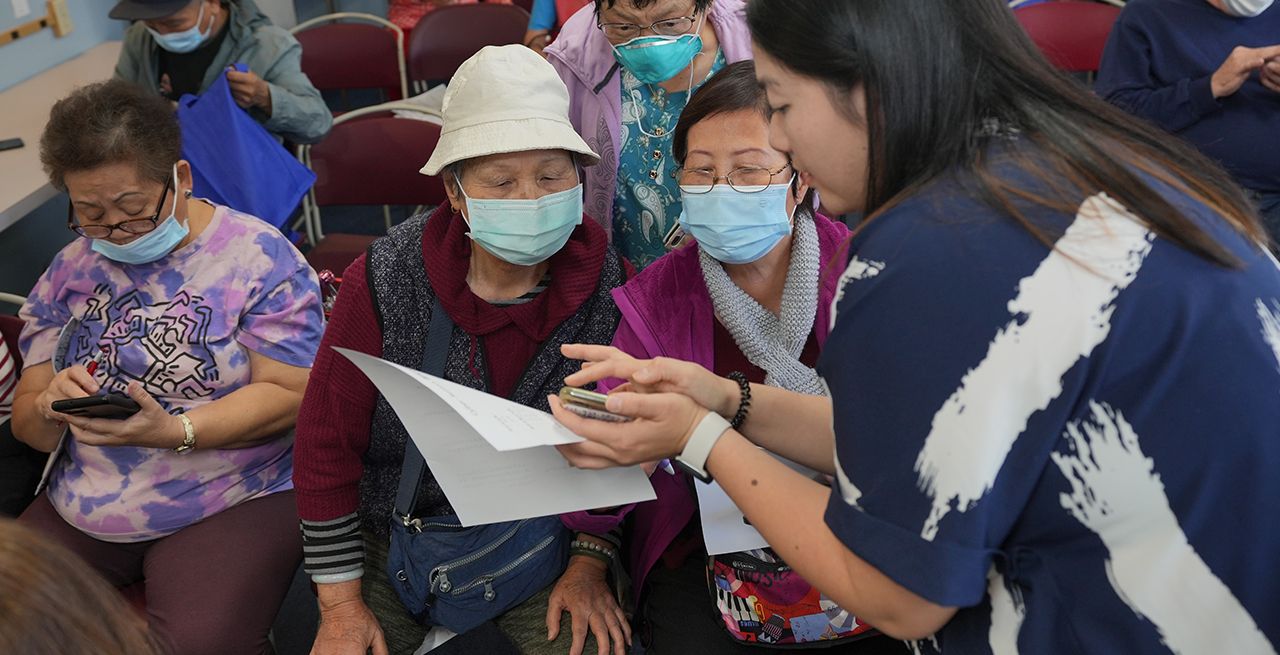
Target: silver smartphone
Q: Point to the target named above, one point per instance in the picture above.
(589, 404)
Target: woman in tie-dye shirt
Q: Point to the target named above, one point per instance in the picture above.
(209, 320)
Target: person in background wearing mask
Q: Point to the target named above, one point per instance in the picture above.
(631, 66)
(513, 263)
(748, 300)
(1208, 71)
(208, 319)
(546, 18)
(176, 47)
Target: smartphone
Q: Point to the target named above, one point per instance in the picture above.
(11, 144)
(675, 237)
(112, 405)
(589, 404)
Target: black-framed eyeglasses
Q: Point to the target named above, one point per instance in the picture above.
(676, 26)
(747, 179)
(134, 226)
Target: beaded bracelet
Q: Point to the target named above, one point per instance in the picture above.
(591, 549)
(744, 402)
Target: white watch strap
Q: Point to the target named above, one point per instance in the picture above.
(704, 438)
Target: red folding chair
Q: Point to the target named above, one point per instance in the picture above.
(370, 157)
(449, 36)
(338, 54)
(1070, 33)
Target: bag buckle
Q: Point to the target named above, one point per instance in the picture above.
(411, 524)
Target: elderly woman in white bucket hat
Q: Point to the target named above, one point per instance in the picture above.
(517, 271)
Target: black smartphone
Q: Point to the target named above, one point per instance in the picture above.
(11, 144)
(112, 405)
(589, 404)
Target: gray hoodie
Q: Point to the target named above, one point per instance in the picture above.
(298, 113)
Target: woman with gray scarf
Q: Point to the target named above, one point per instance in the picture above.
(745, 300)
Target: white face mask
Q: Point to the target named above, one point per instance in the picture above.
(1246, 8)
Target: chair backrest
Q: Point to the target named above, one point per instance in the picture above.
(11, 327)
(365, 54)
(372, 157)
(449, 36)
(1070, 33)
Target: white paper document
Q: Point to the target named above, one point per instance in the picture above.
(492, 457)
(724, 528)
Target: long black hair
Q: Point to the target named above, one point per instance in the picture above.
(942, 76)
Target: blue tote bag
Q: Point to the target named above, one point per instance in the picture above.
(235, 161)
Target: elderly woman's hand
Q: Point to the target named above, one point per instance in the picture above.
(661, 375)
(151, 427)
(584, 592)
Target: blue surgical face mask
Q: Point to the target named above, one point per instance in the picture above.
(655, 59)
(735, 227)
(186, 40)
(151, 246)
(524, 232)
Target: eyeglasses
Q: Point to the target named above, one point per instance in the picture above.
(664, 27)
(134, 226)
(748, 179)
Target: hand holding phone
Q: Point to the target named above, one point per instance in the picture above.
(589, 404)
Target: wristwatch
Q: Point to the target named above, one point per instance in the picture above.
(696, 451)
(189, 438)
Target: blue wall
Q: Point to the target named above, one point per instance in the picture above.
(32, 55)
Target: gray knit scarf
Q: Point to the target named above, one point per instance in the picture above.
(771, 342)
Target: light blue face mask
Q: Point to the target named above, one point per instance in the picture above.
(735, 227)
(151, 246)
(186, 40)
(524, 232)
(655, 59)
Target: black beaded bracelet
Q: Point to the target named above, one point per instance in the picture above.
(744, 401)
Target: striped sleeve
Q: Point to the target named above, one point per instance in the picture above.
(8, 382)
(333, 551)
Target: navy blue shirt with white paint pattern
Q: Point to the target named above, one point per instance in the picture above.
(1079, 447)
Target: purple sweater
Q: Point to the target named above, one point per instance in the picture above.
(584, 59)
(667, 312)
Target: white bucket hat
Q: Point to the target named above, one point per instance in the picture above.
(505, 99)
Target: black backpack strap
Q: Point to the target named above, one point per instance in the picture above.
(436, 353)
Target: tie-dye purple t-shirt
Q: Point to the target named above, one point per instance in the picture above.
(183, 326)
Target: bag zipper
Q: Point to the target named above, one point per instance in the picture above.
(487, 580)
(441, 573)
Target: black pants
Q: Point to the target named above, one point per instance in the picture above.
(678, 617)
(20, 467)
